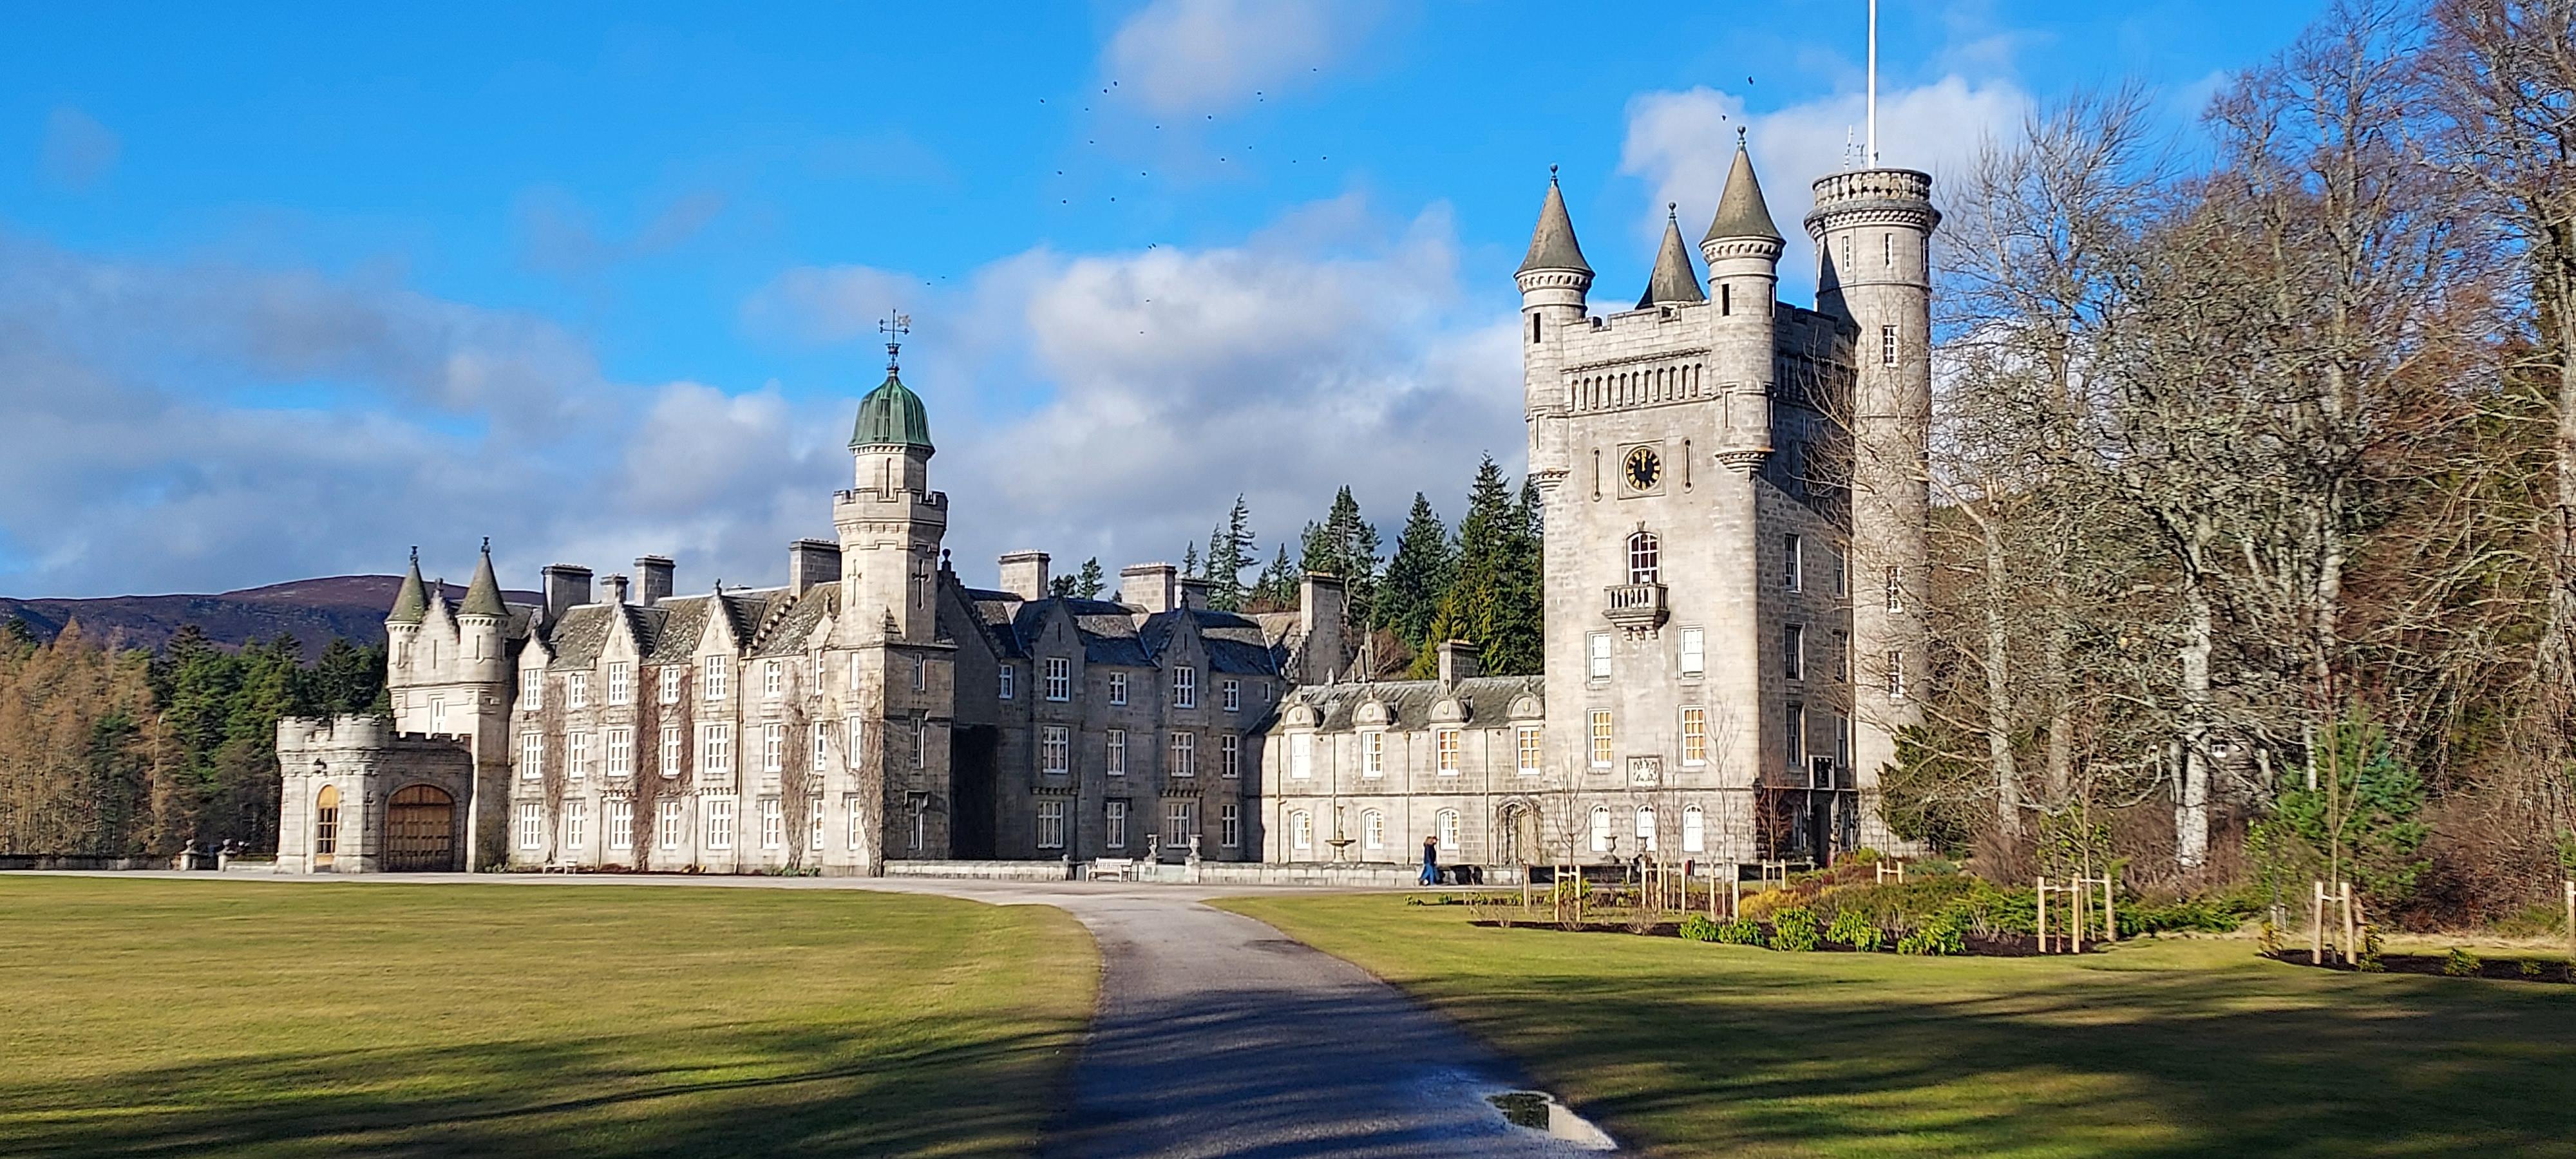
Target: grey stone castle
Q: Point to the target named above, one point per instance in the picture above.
(1735, 502)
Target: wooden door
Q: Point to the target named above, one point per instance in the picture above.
(420, 831)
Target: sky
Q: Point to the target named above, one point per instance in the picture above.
(286, 292)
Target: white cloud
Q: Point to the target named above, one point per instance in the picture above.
(77, 152)
(1211, 55)
(1680, 144)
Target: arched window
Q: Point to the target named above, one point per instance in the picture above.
(1644, 558)
(1301, 831)
(1694, 830)
(1448, 828)
(326, 821)
(1646, 828)
(1601, 828)
(1372, 831)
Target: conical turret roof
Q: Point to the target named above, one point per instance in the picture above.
(1740, 211)
(891, 416)
(483, 596)
(412, 601)
(1675, 280)
(1552, 245)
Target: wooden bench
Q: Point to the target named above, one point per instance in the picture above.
(1111, 868)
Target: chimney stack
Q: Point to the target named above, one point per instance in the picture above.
(1323, 610)
(565, 586)
(1024, 574)
(1147, 586)
(616, 588)
(1194, 593)
(652, 579)
(1459, 660)
(811, 562)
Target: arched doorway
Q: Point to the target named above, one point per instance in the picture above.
(420, 831)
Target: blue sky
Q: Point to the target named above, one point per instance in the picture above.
(283, 293)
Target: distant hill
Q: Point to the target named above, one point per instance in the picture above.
(313, 611)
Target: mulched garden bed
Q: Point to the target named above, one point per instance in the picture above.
(1979, 946)
(2551, 970)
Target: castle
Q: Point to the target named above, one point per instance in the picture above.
(1735, 503)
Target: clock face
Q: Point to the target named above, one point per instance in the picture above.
(1644, 469)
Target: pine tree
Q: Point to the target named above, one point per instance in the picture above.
(1417, 575)
(1190, 562)
(1061, 587)
(1230, 550)
(1276, 589)
(1344, 545)
(1090, 583)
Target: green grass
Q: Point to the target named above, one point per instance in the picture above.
(238, 1018)
(2158, 1048)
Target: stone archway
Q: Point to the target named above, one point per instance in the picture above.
(420, 831)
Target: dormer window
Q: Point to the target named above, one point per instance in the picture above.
(672, 674)
(1059, 678)
(714, 676)
(773, 676)
(532, 688)
(577, 689)
(1185, 687)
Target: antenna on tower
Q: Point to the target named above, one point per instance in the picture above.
(1871, 159)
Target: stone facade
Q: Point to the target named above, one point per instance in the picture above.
(1735, 496)
(359, 797)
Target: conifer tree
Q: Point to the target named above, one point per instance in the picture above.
(1190, 562)
(1230, 550)
(1089, 583)
(1344, 545)
(1417, 575)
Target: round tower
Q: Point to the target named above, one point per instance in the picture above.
(1873, 234)
(1742, 248)
(402, 625)
(1554, 280)
(479, 622)
(891, 522)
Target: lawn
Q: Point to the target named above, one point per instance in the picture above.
(241, 1017)
(2157, 1048)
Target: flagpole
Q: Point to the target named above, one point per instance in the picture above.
(1872, 160)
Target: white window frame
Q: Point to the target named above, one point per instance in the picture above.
(1372, 830)
(1694, 735)
(1597, 651)
(1113, 824)
(1003, 678)
(621, 752)
(773, 747)
(1301, 756)
(532, 825)
(1793, 651)
(673, 754)
(1230, 694)
(1114, 749)
(1118, 688)
(1694, 829)
(1645, 558)
(619, 817)
(576, 821)
(1372, 753)
(773, 823)
(1887, 345)
(1229, 754)
(1793, 574)
(532, 688)
(1444, 828)
(819, 746)
(1059, 679)
(1601, 828)
(1055, 750)
(577, 690)
(1450, 745)
(1604, 742)
(713, 675)
(672, 675)
(1229, 818)
(1185, 687)
(1694, 651)
(1180, 821)
(1646, 836)
(857, 818)
(576, 754)
(1528, 750)
(1185, 754)
(773, 678)
(853, 734)
(814, 825)
(921, 743)
(532, 756)
(670, 824)
(1301, 830)
(715, 749)
(621, 682)
(720, 815)
(1051, 824)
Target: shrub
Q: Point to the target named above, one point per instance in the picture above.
(2367, 961)
(1945, 933)
(2531, 968)
(1795, 930)
(1699, 928)
(1740, 932)
(1854, 929)
(1759, 906)
(2218, 913)
(2460, 963)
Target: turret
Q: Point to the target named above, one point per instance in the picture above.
(479, 622)
(1873, 232)
(1553, 280)
(891, 522)
(1743, 252)
(1673, 283)
(402, 624)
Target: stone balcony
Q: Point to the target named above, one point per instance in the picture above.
(1634, 607)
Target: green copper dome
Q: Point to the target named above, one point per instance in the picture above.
(892, 416)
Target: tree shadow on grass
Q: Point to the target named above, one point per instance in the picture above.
(2096, 1062)
(961, 1088)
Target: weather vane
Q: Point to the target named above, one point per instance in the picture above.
(894, 328)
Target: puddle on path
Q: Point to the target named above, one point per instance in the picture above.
(1539, 1111)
